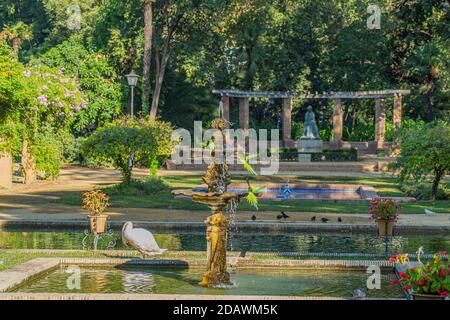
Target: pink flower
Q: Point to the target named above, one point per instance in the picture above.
(394, 281)
(43, 100)
(443, 253)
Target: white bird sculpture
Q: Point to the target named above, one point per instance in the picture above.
(140, 239)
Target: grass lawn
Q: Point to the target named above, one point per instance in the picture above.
(385, 186)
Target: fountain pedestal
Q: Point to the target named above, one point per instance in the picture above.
(216, 237)
(216, 234)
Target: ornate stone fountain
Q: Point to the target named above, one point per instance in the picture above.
(217, 198)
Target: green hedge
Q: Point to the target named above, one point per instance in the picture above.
(325, 155)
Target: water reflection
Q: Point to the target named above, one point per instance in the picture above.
(245, 242)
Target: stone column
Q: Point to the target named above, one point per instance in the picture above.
(338, 120)
(5, 171)
(287, 114)
(244, 113)
(380, 122)
(226, 108)
(397, 113)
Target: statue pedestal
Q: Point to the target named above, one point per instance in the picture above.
(216, 234)
(310, 145)
(304, 157)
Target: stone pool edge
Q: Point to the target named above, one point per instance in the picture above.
(243, 225)
(17, 276)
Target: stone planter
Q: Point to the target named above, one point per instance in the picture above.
(98, 223)
(385, 227)
(421, 296)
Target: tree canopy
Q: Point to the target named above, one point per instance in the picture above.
(302, 45)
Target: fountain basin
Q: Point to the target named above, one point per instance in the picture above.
(140, 279)
(312, 192)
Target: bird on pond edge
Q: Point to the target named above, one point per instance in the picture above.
(324, 220)
(253, 217)
(141, 240)
(282, 216)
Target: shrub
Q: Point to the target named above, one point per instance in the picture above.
(422, 191)
(148, 186)
(47, 153)
(326, 155)
(128, 141)
(341, 155)
(37, 104)
(424, 152)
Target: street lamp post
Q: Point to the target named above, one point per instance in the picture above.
(132, 79)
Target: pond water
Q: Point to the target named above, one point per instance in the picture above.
(241, 242)
(308, 282)
(300, 193)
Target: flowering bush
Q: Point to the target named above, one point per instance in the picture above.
(141, 139)
(37, 103)
(95, 202)
(384, 210)
(432, 278)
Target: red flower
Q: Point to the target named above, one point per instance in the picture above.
(403, 275)
(443, 273)
(420, 283)
(406, 287)
(443, 253)
(395, 281)
(391, 259)
(443, 293)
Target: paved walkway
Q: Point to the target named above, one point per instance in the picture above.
(37, 202)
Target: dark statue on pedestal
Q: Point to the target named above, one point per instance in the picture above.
(310, 141)
(310, 130)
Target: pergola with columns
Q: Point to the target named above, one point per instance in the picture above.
(338, 113)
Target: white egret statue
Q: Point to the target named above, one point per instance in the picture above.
(140, 239)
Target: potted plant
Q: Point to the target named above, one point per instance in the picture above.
(96, 202)
(385, 212)
(425, 282)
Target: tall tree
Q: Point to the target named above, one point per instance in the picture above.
(176, 22)
(16, 34)
(420, 47)
(148, 39)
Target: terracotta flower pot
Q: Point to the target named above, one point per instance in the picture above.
(385, 227)
(422, 296)
(98, 222)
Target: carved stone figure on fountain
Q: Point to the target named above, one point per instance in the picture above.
(216, 235)
(217, 176)
(310, 140)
